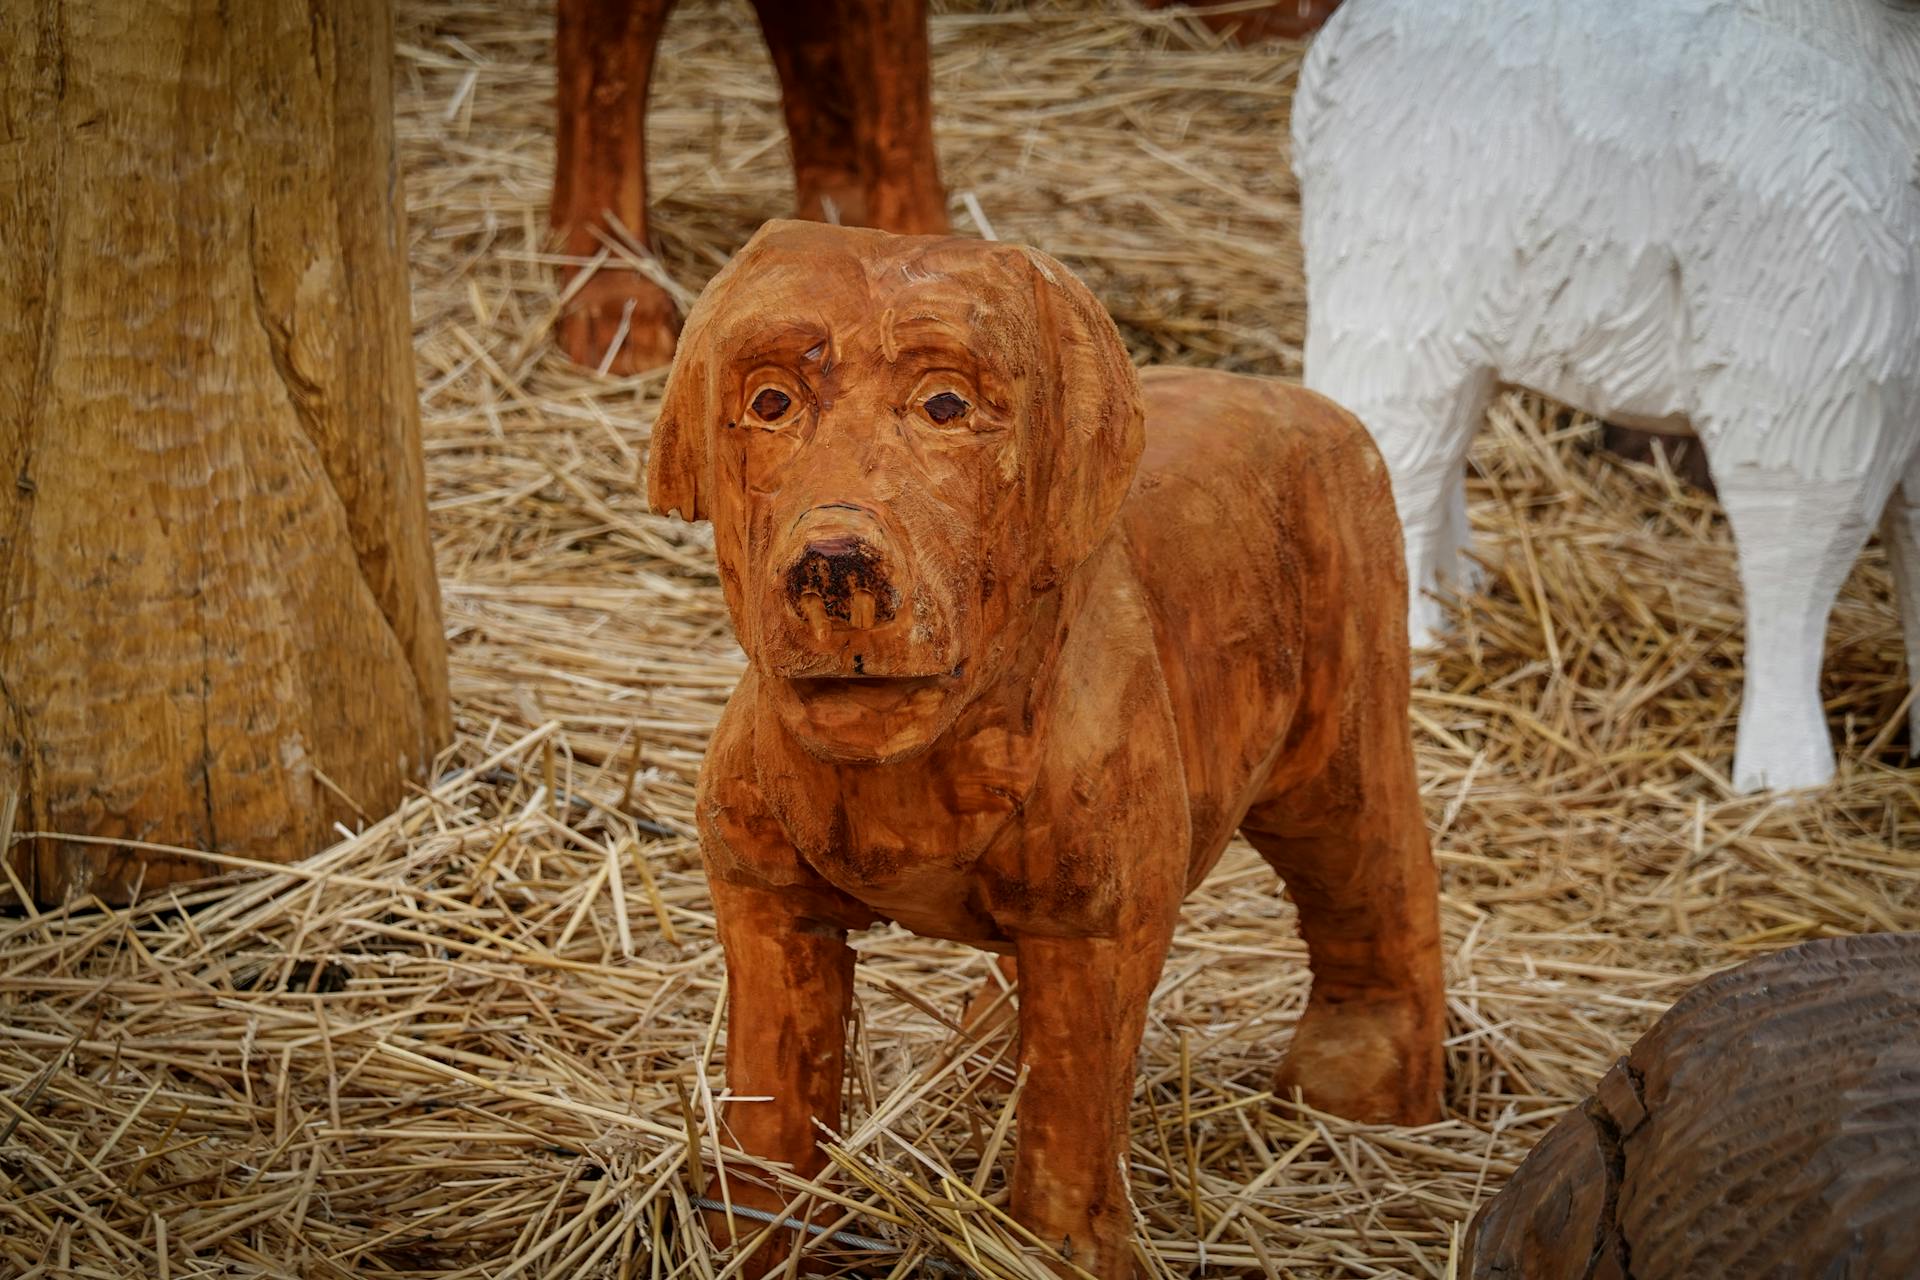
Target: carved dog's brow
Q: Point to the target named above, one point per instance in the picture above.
(921, 333)
(794, 339)
(932, 326)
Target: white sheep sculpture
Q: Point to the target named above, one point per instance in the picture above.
(1691, 216)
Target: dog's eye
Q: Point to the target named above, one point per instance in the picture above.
(771, 404)
(945, 407)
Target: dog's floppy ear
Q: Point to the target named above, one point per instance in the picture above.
(679, 476)
(679, 462)
(1087, 459)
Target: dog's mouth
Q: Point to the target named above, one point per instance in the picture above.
(873, 693)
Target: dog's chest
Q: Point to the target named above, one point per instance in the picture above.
(930, 891)
(908, 843)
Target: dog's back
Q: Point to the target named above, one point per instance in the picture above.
(1261, 509)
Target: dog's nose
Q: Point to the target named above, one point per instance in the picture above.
(841, 578)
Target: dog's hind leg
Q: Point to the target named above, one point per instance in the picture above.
(1356, 864)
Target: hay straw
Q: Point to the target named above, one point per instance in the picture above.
(480, 1038)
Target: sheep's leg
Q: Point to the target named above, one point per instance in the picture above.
(1423, 415)
(1900, 534)
(1797, 539)
(1449, 564)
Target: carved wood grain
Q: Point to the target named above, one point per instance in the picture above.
(222, 625)
(856, 90)
(1029, 638)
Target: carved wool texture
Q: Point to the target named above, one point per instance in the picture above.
(1679, 215)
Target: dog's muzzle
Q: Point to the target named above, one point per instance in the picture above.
(842, 578)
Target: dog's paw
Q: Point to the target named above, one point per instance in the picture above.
(624, 313)
(1375, 1061)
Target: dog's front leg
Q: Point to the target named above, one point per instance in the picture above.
(790, 995)
(1083, 1005)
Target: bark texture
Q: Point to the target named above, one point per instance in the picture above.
(1766, 1126)
(222, 626)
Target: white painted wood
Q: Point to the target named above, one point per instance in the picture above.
(1675, 214)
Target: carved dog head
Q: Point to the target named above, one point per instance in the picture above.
(902, 443)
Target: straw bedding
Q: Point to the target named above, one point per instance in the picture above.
(481, 1037)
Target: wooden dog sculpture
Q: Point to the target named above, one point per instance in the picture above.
(1020, 663)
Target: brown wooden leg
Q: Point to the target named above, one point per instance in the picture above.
(856, 84)
(1369, 1045)
(604, 56)
(1083, 1005)
(789, 999)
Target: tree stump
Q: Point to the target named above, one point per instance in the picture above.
(222, 628)
(1768, 1126)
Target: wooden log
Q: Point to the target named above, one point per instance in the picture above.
(1768, 1125)
(222, 627)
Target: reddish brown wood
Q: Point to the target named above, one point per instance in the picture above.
(603, 50)
(1028, 641)
(991, 1009)
(1284, 19)
(856, 90)
(1768, 1125)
